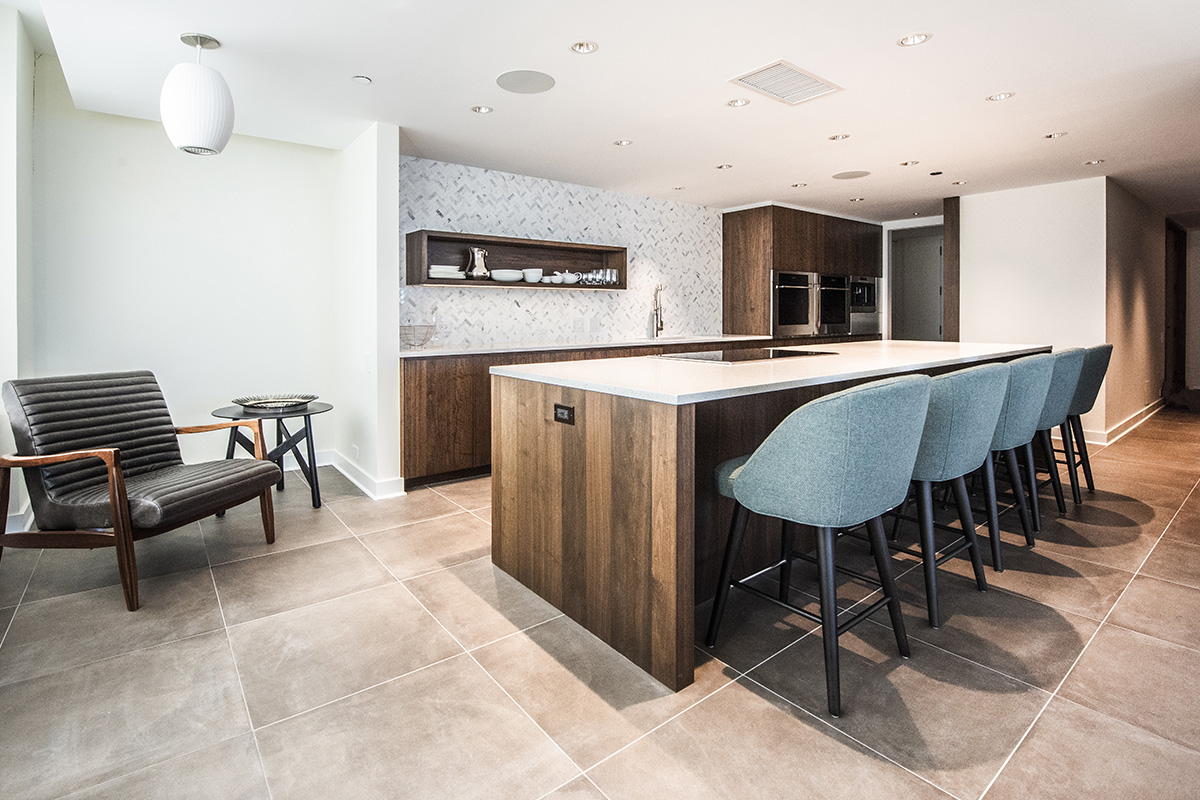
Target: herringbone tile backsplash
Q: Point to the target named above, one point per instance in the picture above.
(670, 243)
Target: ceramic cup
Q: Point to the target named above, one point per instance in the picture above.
(532, 275)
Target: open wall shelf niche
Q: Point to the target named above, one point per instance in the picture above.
(423, 248)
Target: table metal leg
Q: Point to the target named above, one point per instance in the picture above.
(312, 463)
(278, 442)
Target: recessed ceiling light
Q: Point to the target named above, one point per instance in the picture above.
(678, 188)
(914, 39)
(1056, 135)
(851, 174)
(623, 142)
(837, 137)
(738, 103)
(725, 166)
(583, 48)
(525, 81)
(909, 163)
(856, 199)
(1093, 162)
(482, 109)
(1000, 96)
(361, 79)
(939, 172)
(958, 183)
(799, 185)
(916, 213)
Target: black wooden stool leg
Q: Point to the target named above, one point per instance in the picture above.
(1018, 490)
(786, 548)
(883, 563)
(924, 495)
(737, 529)
(895, 533)
(993, 513)
(1064, 430)
(1055, 481)
(1035, 511)
(1080, 442)
(829, 612)
(963, 500)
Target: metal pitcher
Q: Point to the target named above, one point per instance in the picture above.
(476, 268)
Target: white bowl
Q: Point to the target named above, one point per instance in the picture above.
(570, 277)
(556, 278)
(507, 275)
(532, 275)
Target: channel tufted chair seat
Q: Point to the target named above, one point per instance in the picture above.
(100, 456)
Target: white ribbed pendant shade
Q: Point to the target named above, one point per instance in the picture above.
(197, 109)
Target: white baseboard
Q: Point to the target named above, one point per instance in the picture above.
(1124, 427)
(371, 487)
(21, 521)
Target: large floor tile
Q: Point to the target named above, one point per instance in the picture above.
(1174, 560)
(1141, 680)
(226, 771)
(745, 742)
(62, 572)
(479, 603)
(471, 494)
(435, 544)
(364, 515)
(588, 697)
(238, 536)
(76, 728)
(89, 626)
(578, 789)
(1159, 484)
(1146, 450)
(297, 660)
(1074, 752)
(752, 630)
(282, 581)
(332, 483)
(1106, 531)
(1009, 633)
(444, 732)
(947, 719)
(1185, 527)
(1162, 609)
(16, 568)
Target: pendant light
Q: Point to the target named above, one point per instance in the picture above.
(195, 105)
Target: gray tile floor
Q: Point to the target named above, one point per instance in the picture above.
(373, 651)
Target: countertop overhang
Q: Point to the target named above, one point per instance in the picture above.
(680, 383)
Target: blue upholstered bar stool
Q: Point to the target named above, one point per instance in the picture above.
(1095, 366)
(964, 407)
(838, 461)
(1028, 382)
(1067, 366)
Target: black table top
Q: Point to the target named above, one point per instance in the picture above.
(240, 412)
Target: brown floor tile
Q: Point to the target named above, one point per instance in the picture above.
(257, 587)
(471, 494)
(1155, 484)
(237, 536)
(1161, 609)
(752, 630)
(332, 483)
(1105, 531)
(16, 568)
(589, 698)
(6, 615)
(61, 572)
(1069, 584)
(1141, 680)
(1074, 752)
(484, 514)
(226, 771)
(479, 603)
(1009, 633)
(299, 659)
(427, 546)
(445, 731)
(578, 789)
(364, 515)
(119, 715)
(89, 626)
(1185, 527)
(1181, 455)
(947, 719)
(1176, 561)
(746, 742)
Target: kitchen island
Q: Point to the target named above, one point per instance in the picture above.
(603, 498)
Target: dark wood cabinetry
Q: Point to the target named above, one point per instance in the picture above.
(423, 248)
(759, 240)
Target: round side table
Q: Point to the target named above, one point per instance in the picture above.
(285, 440)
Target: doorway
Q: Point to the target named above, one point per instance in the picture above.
(915, 306)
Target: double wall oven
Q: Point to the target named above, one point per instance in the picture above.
(806, 303)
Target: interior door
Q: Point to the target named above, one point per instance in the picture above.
(916, 284)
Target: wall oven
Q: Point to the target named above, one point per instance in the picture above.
(833, 304)
(793, 303)
(864, 308)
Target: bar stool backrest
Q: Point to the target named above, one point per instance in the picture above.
(1028, 382)
(842, 459)
(964, 407)
(1063, 382)
(1095, 366)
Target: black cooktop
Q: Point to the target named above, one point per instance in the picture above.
(748, 354)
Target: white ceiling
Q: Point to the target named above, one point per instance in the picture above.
(1121, 77)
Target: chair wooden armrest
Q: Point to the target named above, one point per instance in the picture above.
(260, 444)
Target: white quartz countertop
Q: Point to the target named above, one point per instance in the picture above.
(677, 382)
(530, 347)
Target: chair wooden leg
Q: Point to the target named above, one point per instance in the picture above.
(1064, 431)
(829, 634)
(737, 529)
(267, 505)
(883, 563)
(1055, 481)
(963, 500)
(786, 549)
(993, 513)
(923, 491)
(1081, 443)
(126, 561)
(1035, 511)
(1018, 490)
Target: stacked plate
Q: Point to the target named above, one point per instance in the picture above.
(507, 275)
(446, 272)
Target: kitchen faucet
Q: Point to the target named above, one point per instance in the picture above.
(658, 310)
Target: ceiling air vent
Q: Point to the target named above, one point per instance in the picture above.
(786, 82)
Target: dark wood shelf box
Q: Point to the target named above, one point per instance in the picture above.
(423, 248)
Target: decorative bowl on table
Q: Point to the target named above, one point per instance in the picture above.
(416, 335)
(507, 275)
(274, 402)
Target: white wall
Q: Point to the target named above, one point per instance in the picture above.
(1193, 306)
(1032, 269)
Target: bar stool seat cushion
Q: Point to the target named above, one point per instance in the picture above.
(727, 472)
